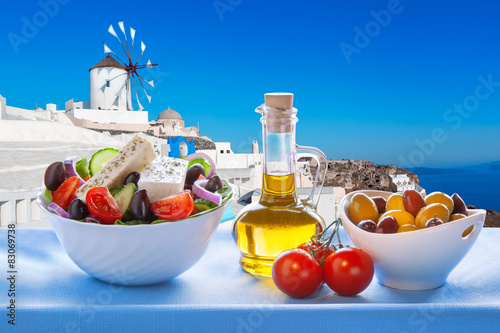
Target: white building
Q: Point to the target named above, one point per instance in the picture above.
(246, 169)
(110, 97)
(3, 107)
(403, 183)
(108, 89)
(240, 169)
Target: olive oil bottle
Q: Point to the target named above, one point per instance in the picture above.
(280, 220)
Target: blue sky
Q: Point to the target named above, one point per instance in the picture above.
(372, 79)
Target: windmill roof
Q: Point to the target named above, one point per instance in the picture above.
(109, 61)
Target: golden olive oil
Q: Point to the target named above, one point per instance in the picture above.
(279, 221)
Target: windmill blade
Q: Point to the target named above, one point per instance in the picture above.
(151, 83)
(129, 98)
(143, 88)
(132, 34)
(124, 84)
(122, 28)
(112, 31)
(137, 96)
(149, 63)
(115, 102)
(143, 47)
(139, 103)
(107, 49)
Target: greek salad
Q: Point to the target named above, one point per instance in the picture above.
(134, 186)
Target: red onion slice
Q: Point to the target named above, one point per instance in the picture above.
(206, 158)
(199, 190)
(184, 191)
(56, 209)
(69, 164)
(94, 219)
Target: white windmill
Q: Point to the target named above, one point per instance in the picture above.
(111, 82)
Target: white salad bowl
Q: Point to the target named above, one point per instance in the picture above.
(135, 254)
(414, 260)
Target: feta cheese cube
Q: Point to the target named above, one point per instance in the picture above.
(134, 156)
(164, 177)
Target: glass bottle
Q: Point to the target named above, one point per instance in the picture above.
(280, 220)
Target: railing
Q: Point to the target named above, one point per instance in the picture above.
(19, 207)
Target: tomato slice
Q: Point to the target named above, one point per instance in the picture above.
(101, 203)
(65, 193)
(173, 208)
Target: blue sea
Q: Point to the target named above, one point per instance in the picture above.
(478, 188)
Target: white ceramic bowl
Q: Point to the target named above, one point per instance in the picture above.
(136, 254)
(415, 260)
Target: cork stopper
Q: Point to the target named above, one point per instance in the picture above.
(279, 100)
(279, 116)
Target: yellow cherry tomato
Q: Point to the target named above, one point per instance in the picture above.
(428, 212)
(401, 216)
(440, 197)
(407, 227)
(395, 202)
(362, 207)
(457, 216)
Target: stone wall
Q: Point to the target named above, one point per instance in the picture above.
(199, 143)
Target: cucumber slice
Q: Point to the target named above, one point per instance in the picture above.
(48, 195)
(82, 168)
(123, 197)
(204, 202)
(100, 159)
(223, 191)
(116, 189)
(201, 207)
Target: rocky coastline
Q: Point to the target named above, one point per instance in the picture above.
(354, 175)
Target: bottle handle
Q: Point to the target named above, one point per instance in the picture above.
(310, 199)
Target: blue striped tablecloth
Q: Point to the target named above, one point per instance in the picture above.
(215, 295)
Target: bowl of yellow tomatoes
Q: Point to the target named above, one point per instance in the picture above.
(414, 241)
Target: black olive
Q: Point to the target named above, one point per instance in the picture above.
(133, 177)
(78, 209)
(193, 173)
(55, 176)
(214, 184)
(140, 206)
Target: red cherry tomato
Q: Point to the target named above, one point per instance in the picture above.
(101, 203)
(65, 193)
(175, 207)
(319, 253)
(348, 271)
(297, 273)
